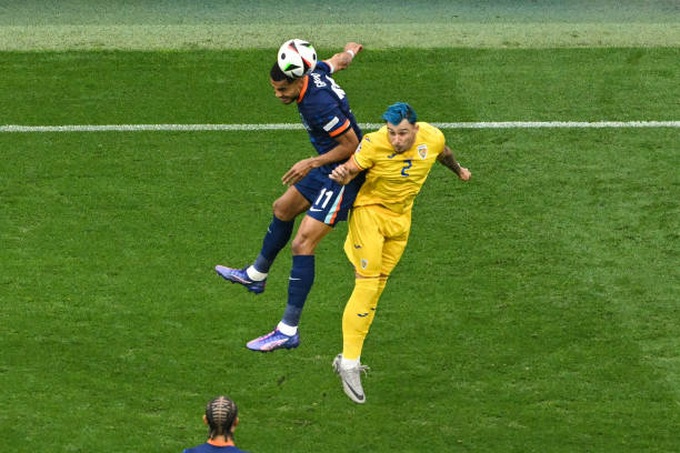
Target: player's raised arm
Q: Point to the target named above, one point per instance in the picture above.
(342, 60)
(447, 159)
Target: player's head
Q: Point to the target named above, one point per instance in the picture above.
(401, 126)
(398, 112)
(221, 416)
(286, 89)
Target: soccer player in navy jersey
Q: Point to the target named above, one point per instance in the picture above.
(221, 416)
(333, 131)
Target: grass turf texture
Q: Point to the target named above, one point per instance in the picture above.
(214, 24)
(534, 310)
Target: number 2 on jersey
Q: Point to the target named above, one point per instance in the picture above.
(408, 163)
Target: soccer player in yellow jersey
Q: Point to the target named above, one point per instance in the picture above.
(397, 160)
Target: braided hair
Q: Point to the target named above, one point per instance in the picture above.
(221, 413)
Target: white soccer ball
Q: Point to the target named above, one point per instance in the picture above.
(297, 57)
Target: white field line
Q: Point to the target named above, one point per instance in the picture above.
(295, 126)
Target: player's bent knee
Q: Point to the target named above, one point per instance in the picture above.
(284, 212)
(302, 246)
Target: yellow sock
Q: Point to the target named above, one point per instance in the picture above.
(359, 313)
(382, 281)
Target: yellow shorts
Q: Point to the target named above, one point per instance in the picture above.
(376, 239)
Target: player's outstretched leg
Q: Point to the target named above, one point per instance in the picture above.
(274, 340)
(241, 277)
(351, 379)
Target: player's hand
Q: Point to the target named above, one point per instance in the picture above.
(342, 60)
(354, 47)
(340, 175)
(298, 171)
(464, 174)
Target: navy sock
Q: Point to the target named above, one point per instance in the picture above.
(299, 284)
(278, 235)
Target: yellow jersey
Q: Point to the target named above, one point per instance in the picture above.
(393, 180)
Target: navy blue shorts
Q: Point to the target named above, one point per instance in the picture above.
(330, 201)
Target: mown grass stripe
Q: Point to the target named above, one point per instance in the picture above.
(295, 126)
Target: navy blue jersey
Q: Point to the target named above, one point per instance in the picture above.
(324, 111)
(207, 448)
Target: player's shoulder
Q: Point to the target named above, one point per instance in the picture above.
(318, 87)
(376, 138)
(322, 67)
(375, 143)
(318, 77)
(206, 448)
(430, 133)
(428, 128)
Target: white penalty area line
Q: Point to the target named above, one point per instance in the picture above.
(292, 126)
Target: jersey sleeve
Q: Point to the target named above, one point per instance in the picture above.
(433, 136)
(336, 123)
(327, 116)
(440, 140)
(323, 67)
(363, 156)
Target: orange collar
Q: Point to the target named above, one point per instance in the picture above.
(303, 90)
(222, 443)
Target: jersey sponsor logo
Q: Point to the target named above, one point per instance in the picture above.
(422, 151)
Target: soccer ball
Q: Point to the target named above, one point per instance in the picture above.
(297, 57)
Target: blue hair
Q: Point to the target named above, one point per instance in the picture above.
(396, 113)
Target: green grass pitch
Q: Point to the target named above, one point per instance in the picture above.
(535, 308)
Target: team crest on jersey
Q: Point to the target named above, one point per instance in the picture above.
(422, 151)
(364, 263)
